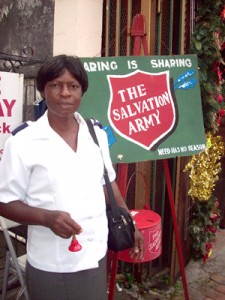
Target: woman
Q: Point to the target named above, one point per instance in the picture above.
(53, 181)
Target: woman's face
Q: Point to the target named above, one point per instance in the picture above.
(63, 95)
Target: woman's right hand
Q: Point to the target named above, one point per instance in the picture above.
(61, 223)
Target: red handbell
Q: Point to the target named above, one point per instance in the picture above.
(74, 245)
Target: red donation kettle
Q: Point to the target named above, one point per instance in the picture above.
(149, 224)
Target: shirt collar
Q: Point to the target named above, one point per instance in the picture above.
(42, 129)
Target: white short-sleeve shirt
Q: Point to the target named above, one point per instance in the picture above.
(40, 169)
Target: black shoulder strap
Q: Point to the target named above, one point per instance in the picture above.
(112, 200)
(92, 131)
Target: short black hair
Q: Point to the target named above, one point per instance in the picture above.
(55, 67)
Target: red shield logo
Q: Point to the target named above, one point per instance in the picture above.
(141, 108)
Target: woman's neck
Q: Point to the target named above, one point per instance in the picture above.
(67, 128)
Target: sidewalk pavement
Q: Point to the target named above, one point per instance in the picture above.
(206, 281)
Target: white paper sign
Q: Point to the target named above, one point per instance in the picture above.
(11, 104)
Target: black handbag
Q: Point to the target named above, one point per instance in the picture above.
(120, 223)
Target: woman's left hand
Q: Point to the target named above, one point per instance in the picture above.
(137, 252)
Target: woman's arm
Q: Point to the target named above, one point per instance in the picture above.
(59, 222)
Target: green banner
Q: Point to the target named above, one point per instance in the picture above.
(150, 106)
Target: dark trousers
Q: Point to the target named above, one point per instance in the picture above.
(83, 285)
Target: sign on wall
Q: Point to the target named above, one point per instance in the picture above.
(150, 106)
(11, 104)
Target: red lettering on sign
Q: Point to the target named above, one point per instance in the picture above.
(6, 106)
